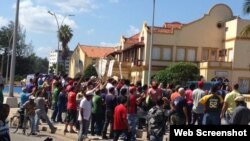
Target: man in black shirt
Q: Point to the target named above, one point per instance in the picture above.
(241, 114)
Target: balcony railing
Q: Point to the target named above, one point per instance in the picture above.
(124, 64)
(216, 64)
(137, 62)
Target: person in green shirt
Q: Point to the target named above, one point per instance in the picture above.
(55, 96)
(1, 93)
(97, 104)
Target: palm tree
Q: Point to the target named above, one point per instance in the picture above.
(65, 34)
(246, 10)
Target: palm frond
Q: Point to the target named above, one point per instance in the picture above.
(246, 7)
(245, 32)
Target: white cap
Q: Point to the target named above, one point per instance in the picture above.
(239, 98)
(93, 77)
(31, 97)
(23, 88)
(108, 86)
(89, 93)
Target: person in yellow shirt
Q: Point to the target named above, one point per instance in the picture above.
(229, 104)
(212, 103)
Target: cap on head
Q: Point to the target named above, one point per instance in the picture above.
(239, 99)
(110, 86)
(89, 93)
(181, 90)
(177, 87)
(31, 97)
(93, 77)
(23, 88)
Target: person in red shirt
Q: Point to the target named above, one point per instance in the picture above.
(71, 110)
(189, 99)
(120, 120)
(132, 112)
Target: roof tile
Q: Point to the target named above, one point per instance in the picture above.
(97, 51)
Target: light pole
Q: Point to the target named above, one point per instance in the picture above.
(13, 57)
(151, 45)
(8, 59)
(58, 41)
(2, 58)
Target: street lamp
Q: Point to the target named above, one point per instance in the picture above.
(58, 28)
(151, 45)
(2, 51)
(8, 59)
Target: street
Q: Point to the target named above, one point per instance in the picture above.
(40, 137)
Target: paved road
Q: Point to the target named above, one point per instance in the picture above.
(40, 137)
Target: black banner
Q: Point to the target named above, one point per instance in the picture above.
(196, 132)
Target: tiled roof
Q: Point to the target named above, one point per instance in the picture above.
(132, 41)
(138, 44)
(97, 51)
(168, 28)
(174, 25)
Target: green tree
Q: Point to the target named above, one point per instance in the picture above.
(65, 34)
(26, 61)
(178, 73)
(246, 11)
(90, 71)
(31, 64)
(22, 48)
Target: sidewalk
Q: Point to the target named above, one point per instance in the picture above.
(60, 128)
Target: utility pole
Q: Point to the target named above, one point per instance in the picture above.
(58, 41)
(13, 57)
(151, 45)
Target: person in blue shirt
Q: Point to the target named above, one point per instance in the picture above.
(24, 96)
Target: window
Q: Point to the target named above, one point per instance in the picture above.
(156, 53)
(209, 54)
(222, 52)
(230, 55)
(205, 54)
(213, 55)
(167, 54)
(191, 55)
(180, 54)
(186, 54)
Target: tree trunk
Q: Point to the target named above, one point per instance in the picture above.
(64, 66)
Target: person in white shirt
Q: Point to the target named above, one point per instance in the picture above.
(84, 115)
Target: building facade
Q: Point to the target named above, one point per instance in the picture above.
(85, 55)
(213, 43)
(55, 56)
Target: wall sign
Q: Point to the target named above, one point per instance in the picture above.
(221, 73)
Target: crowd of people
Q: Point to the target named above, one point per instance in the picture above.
(123, 107)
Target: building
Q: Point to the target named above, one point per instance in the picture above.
(213, 43)
(85, 55)
(53, 57)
